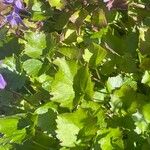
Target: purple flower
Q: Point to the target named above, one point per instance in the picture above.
(16, 3)
(2, 82)
(116, 4)
(19, 4)
(105, 1)
(109, 3)
(8, 1)
(14, 19)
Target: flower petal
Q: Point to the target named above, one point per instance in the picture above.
(2, 82)
(19, 4)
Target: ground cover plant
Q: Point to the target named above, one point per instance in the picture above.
(74, 75)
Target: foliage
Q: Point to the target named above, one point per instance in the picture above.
(78, 77)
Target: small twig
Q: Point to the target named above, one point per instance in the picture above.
(111, 50)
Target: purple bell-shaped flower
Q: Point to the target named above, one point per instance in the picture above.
(2, 82)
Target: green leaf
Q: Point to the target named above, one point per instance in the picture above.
(124, 98)
(44, 109)
(126, 63)
(47, 122)
(146, 112)
(87, 55)
(97, 111)
(114, 82)
(36, 43)
(99, 34)
(62, 86)
(40, 141)
(66, 132)
(45, 80)
(68, 51)
(122, 44)
(145, 63)
(111, 139)
(83, 85)
(99, 54)
(9, 46)
(146, 78)
(108, 67)
(38, 14)
(14, 80)
(144, 43)
(56, 3)
(9, 127)
(98, 18)
(68, 126)
(70, 36)
(62, 20)
(32, 66)
(3, 33)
